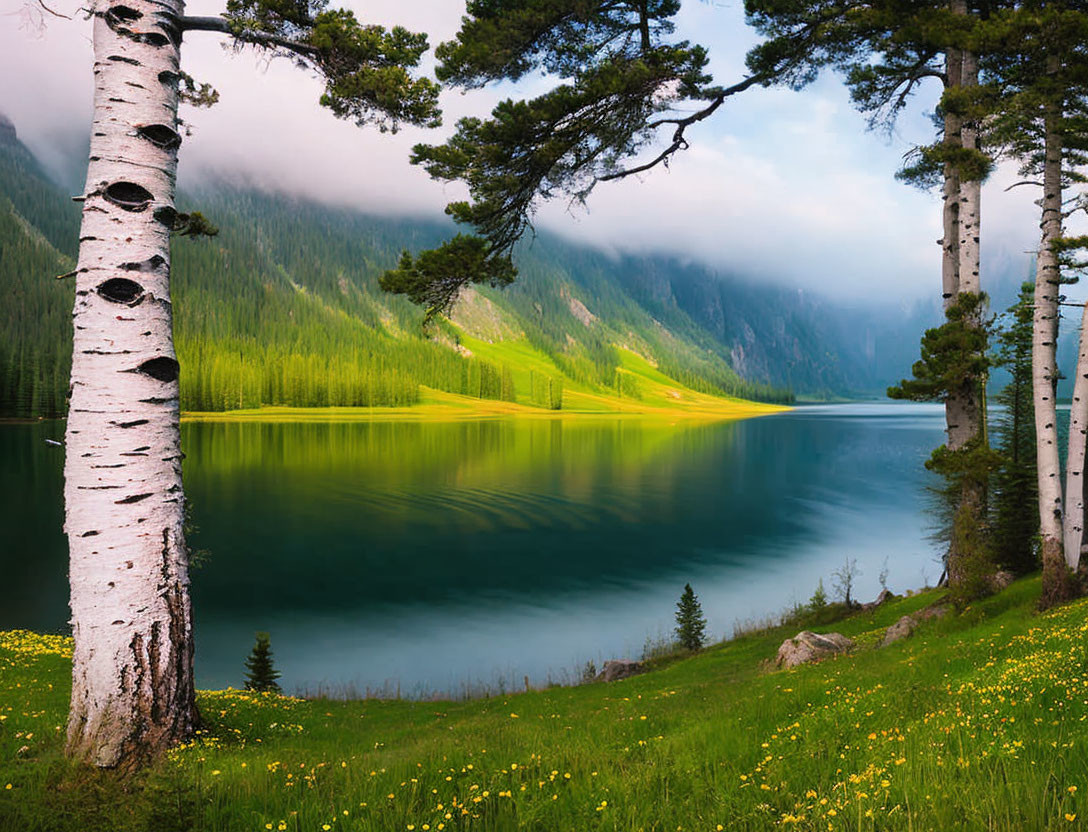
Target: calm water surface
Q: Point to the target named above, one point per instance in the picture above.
(438, 556)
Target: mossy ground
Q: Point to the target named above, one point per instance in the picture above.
(980, 721)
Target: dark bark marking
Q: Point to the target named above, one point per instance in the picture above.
(168, 23)
(166, 215)
(161, 368)
(164, 562)
(123, 59)
(160, 135)
(132, 424)
(128, 195)
(121, 289)
(151, 264)
(135, 498)
(155, 671)
(121, 12)
(88, 534)
(159, 400)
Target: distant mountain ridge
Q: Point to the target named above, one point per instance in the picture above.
(283, 307)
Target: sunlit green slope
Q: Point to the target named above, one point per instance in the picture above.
(283, 309)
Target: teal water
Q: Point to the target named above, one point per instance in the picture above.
(437, 557)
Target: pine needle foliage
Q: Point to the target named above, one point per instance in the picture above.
(620, 77)
(690, 622)
(261, 674)
(1015, 489)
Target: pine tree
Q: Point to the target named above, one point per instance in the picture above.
(261, 675)
(1016, 513)
(620, 79)
(690, 623)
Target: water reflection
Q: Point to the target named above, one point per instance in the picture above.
(438, 554)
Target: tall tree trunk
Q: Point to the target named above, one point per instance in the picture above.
(960, 421)
(1073, 521)
(950, 194)
(970, 196)
(966, 408)
(132, 677)
(1057, 584)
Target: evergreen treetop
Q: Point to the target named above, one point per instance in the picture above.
(261, 675)
(690, 623)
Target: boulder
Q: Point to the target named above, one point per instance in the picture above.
(808, 647)
(616, 669)
(905, 626)
(900, 630)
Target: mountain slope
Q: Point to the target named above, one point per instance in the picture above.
(283, 308)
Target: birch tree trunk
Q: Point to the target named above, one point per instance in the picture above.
(132, 678)
(1044, 369)
(965, 408)
(950, 194)
(1073, 521)
(969, 215)
(957, 409)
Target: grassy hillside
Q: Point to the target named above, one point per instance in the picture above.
(977, 722)
(282, 308)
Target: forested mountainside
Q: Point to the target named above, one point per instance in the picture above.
(283, 308)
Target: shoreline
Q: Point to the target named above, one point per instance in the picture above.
(450, 407)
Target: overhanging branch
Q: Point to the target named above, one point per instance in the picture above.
(679, 142)
(222, 26)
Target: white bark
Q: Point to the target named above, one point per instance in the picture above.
(132, 683)
(950, 258)
(1044, 369)
(1073, 521)
(970, 196)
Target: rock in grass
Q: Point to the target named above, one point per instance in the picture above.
(900, 630)
(808, 647)
(905, 626)
(616, 669)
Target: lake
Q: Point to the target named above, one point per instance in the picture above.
(426, 557)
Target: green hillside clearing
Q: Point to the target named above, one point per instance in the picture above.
(977, 722)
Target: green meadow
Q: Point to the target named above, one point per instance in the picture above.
(979, 721)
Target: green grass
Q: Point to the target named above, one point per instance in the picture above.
(659, 397)
(977, 722)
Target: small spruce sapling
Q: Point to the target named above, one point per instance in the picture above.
(690, 623)
(261, 675)
(819, 598)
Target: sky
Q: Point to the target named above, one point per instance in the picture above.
(778, 187)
